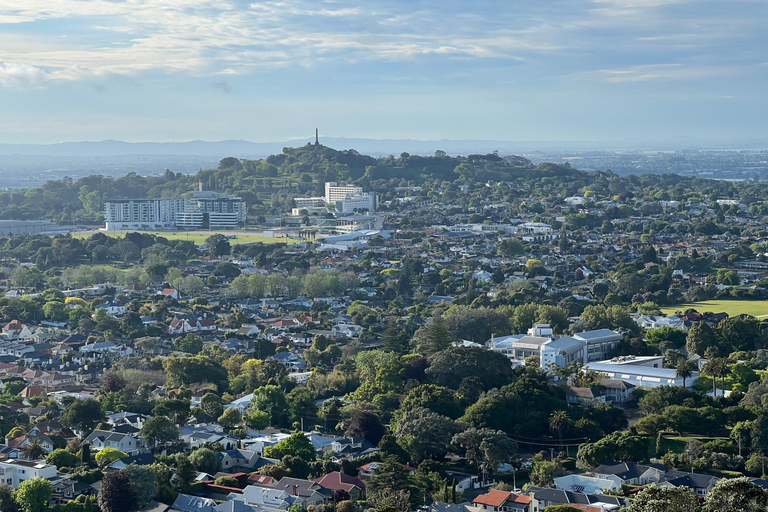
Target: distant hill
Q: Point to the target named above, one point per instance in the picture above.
(376, 147)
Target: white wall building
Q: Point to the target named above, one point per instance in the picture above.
(204, 210)
(13, 472)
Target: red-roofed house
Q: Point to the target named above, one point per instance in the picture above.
(502, 501)
(170, 292)
(337, 481)
(15, 330)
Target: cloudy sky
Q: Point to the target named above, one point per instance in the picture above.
(160, 70)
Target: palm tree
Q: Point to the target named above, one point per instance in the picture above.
(558, 420)
(34, 450)
(716, 367)
(684, 370)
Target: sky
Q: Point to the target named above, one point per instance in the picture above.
(178, 70)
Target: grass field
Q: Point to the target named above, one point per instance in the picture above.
(756, 308)
(198, 237)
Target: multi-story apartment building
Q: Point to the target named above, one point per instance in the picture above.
(204, 210)
(142, 213)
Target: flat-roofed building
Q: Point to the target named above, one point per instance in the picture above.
(638, 375)
(15, 471)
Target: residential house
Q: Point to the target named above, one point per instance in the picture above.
(542, 498)
(701, 484)
(197, 435)
(187, 503)
(337, 481)
(352, 446)
(631, 473)
(67, 490)
(15, 330)
(502, 501)
(100, 439)
(236, 460)
(13, 472)
(293, 362)
(111, 307)
(267, 498)
(310, 492)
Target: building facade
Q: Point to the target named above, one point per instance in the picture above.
(205, 210)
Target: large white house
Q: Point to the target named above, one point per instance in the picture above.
(13, 472)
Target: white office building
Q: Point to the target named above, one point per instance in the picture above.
(639, 374)
(540, 341)
(349, 198)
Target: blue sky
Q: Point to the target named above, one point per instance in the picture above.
(162, 70)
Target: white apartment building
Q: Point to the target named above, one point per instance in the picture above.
(142, 213)
(204, 210)
(15, 471)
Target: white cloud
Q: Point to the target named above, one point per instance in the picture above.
(657, 73)
(20, 76)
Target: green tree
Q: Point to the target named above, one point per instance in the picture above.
(271, 400)
(159, 430)
(485, 448)
(684, 370)
(85, 414)
(116, 493)
(665, 499)
(191, 343)
(143, 482)
(735, 495)
(230, 418)
(558, 421)
(62, 459)
(33, 495)
(108, 455)
(297, 445)
(211, 404)
(257, 420)
(433, 432)
(205, 460)
(542, 472)
(218, 245)
(700, 338)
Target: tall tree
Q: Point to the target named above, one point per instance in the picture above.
(33, 495)
(116, 493)
(558, 420)
(684, 370)
(700, 338)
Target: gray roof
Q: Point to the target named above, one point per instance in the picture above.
(599, 335)
(634, 369)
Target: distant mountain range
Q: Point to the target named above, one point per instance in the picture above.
(246, 149)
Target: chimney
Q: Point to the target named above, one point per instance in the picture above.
(200, 185)
(295, 490)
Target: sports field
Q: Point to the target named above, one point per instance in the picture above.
(756, 308)
(198, 237)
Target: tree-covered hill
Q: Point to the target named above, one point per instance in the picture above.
(268, 185)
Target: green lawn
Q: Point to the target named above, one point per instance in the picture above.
(756, 308)
(680, 444)
(196, 236)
